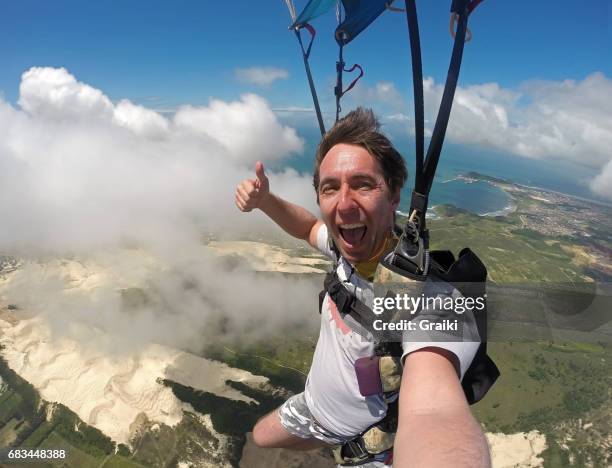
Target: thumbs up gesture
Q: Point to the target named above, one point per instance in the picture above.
(250, 193)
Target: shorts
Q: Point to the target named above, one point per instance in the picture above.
(297, 419)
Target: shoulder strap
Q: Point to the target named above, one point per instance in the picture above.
(426, 165)
(346, 302)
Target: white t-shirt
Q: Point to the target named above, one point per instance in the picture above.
(332, 392)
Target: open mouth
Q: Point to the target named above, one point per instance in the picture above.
(352, 234)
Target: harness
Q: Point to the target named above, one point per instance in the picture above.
(381, 373)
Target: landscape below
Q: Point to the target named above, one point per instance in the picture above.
(552, 405)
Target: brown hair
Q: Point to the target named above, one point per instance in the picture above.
(361, 127)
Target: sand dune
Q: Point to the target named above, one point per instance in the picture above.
(110, 392)
(106, 392)
(267, 257)
(516, 450)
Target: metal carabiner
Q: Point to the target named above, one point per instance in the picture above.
(454, 17)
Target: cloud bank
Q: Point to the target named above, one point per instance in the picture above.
(84, 178)
(542, 119)
(261, 76)
(78, 172)
(566, 119)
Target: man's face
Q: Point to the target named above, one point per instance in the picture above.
(356, 204)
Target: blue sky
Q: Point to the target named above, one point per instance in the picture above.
(187, 51)
(536, 79)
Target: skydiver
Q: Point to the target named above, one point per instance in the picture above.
(358, 177)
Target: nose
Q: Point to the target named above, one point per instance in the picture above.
(346, 201)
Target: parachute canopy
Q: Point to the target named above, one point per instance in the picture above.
(359, 14)
(312, 10)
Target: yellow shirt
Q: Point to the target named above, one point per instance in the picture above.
(367, 268)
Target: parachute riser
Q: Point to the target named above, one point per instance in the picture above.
(306, 56)
(425, 167)
(439, 132)
(338, 88)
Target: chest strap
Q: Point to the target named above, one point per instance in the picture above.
(346, 302)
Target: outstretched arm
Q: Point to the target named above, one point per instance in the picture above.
(293, 219)
(436, 426)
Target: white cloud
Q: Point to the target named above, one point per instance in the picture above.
(79, 172)
(569, 120)
(55, 93)
(294, 109)
(382, 93)
(81, 176)
(602, 184)
(261, 76)
(140, 119)
(399, 117)
(245, 128)
(386, 92)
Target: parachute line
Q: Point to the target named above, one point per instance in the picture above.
(313, 90)
(291, 9)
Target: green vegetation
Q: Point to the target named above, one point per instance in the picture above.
(232, 417)
(541, 386)
(511, 255)
(548, 387)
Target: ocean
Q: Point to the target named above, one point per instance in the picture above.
(479, 197)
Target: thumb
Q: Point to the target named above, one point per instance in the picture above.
(259, 172)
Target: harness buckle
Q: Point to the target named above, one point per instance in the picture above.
(351, 453)
(411, 251)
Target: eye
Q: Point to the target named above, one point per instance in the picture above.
(363, 184)
(327, 189)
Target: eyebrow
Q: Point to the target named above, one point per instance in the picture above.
(362, 175)
(356, 176)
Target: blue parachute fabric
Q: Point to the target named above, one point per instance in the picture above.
(358, 16)
(313, 9)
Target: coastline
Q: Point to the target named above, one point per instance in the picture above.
(502, 184)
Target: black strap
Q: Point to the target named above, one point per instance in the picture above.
(347, 303)
(426, 167)
(417, 83)
(354, 453)
(305, 56)
(338, 87)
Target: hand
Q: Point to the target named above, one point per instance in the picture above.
(250, 193)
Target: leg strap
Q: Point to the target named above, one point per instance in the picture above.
(352, 453)
(364, 447)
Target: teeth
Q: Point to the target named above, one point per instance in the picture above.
(352, 226)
